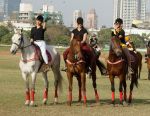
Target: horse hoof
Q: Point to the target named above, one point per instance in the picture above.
(55, 100)
(32, 104)
(27, 102)
(69, 103)
(84, 104)
(121, 103)
(79, 100)
(113, 103)
(97, 99)
(44, 101)
(125, 103)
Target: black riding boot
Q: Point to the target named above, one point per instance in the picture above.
(101, 67)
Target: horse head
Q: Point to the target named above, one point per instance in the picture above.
(116, 46)
(76, 48)
(17, 41)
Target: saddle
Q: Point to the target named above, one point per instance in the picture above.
(39, 56)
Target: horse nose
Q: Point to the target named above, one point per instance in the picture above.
(118, 53)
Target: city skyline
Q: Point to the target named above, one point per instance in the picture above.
(67, 7)
(130, 10)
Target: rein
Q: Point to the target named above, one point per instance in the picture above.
(114, 63)
(23, 47)
(35, 58)
(76, 63)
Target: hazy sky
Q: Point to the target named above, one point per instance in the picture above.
(104, 8)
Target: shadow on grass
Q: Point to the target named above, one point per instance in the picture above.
(102, 102)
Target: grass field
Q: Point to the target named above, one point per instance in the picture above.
(12, 95)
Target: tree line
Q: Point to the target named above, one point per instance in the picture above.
(60, 35)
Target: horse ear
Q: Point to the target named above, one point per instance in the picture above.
(15, 30)
(21, 30)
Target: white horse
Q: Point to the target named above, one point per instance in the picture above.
(29, 65)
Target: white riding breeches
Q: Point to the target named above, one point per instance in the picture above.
(42, 46)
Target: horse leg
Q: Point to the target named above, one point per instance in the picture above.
(112, 88)
(149, 74)
(95, 86)
(70, 79)
(131, 89)
(32, 92)
(139, 71)
(27, 97)
(125, 89)
(83, 87)
(79, 84)
(57, 76)
(120, 89)
(46, 84)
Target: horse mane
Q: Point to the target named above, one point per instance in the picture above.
(75, 48)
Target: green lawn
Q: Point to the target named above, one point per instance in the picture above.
(12, 95)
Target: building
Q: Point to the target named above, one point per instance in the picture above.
(48, 8)
(76, 14)
(26, 12)
(27, 15)
(24, 26)
(2, 10)
(25, 7)
(129, 10)
(7, 7)
(91, 19)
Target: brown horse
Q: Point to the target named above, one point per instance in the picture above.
(139, 56)
(76, 66)
(117, 66)
(148, 61)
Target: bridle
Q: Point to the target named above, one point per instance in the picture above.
(21, 44)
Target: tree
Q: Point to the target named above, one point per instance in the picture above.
(138, 41)
(57, 35)
(3, 31)
(6, 39)
(104, 36)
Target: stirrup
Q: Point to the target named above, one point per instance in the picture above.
(64, 69)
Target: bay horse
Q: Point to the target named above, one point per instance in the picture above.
(148, 60)
(139, 56)
(117, 66)
(76, 66)
(30, 64)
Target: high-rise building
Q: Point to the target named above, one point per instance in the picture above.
(48, 8)
(129, 10)
(92, 19)
(25, 7)
(7, 7)
(1, 9)
(76, 14)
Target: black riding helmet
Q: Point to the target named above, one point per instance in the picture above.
(118, 21)
(40, 18)
(80, 20)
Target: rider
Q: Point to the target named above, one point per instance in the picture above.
(81, 32)
(37, 37)
(97, 50)
(130, 44)
(120, 33)
(147, 54)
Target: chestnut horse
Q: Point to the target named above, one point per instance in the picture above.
(117, 66)
(148, 61)
(76, 66)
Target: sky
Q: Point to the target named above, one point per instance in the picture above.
(104, 9)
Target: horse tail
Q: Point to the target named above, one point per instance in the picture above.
(57, 72)
(136, 80)
(140, 65)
